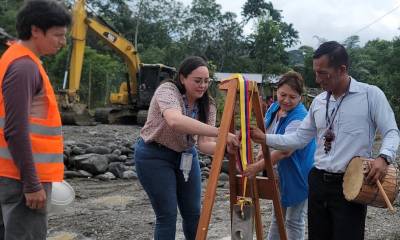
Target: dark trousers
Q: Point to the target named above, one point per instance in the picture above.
(17, 221)
(330, 215)
(158, 171)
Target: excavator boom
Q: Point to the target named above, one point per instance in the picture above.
(129, 99)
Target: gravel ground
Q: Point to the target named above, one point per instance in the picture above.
(120, 209)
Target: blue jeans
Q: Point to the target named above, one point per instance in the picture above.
(158, 171)
(294, 217)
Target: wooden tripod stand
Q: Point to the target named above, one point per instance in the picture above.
(260, 187)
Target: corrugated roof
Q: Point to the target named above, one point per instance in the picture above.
(249, 76)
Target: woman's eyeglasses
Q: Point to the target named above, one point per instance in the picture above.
(201, 82)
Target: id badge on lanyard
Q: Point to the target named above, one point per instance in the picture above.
(187, 156)
(186, 164)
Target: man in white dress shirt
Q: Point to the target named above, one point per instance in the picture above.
(344, 120)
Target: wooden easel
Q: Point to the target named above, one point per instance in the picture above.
(261, 187)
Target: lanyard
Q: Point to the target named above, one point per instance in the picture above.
(329, 119)
(195, 109)
(192, 114)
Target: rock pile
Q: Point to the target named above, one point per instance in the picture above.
(109, 161)
(105, 162)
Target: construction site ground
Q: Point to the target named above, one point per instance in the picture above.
(120, 209)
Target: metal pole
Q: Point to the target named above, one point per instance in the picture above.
(107, 90)
(90, 86)
(137, 23)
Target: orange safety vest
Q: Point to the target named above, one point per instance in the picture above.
(44, 125)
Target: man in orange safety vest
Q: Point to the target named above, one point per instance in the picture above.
(31, 143)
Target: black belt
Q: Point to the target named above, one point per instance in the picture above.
(328, 176)
(156, 144)
(159, 145)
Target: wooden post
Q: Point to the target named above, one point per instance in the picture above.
(260, 187)
(217, 161)
(270, 171)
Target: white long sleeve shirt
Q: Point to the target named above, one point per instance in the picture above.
(363, 112)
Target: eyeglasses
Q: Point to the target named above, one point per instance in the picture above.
(200, 82)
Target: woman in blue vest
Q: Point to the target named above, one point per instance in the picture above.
(283, 117)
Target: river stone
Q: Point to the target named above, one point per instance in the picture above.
(82, 157)
(106, 176)
(95, 164)
(116, 168)
(69, 143)
(78, 151)
(112, 146)
(116, 152)
(113, 158)
(201, 163)
(98, 150)
(83, 145)
(72, 174)
(85, 173)
(126, 151)
(207, 161)
(129, 175)
(67, 151)
(123, 158)
(223, 177)
(205, 174)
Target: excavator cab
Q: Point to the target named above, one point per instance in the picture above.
(131, 105)
(150, 77)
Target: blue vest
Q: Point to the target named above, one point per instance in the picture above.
(293, 171)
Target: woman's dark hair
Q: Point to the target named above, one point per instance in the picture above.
(294, 80)
(335, 52)
(43, 14)
(185, 68)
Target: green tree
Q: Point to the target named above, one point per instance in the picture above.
(306, 66)
(271, 38)
(255, 8)
(268, 46)
(8, 12)
(360, 63)
(105, 73)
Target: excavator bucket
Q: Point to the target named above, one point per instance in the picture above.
(73, 112)
(121, 115)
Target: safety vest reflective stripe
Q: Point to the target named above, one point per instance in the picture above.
(45, 132)
(45, 170)
(37, 157)
(38, 129)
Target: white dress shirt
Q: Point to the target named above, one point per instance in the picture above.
(363, 112)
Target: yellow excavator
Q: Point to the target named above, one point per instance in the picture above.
(133, 98)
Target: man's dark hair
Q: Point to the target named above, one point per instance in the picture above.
(43, 14)
(335, 52)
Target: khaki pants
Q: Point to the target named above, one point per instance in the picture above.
(17, 221)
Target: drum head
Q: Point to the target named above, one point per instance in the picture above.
(353, 178)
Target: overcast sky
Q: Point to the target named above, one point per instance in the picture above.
(333, 19)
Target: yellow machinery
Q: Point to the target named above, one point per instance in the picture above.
(133, 98)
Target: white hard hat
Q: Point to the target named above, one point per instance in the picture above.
(62, 195)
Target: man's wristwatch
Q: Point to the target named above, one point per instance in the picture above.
(387, 159)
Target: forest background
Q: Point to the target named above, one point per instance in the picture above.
(166, 31)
